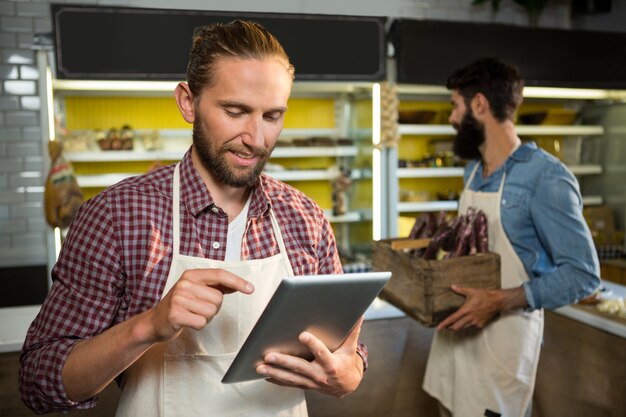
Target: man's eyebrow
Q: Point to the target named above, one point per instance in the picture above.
(239, 105)
(277, 109)
(246, 108)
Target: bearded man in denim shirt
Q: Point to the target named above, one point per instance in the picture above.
(483, 359)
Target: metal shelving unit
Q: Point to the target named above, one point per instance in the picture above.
(175, 142)
(439, 94)
(522, 130)
(166, 155)
(106, 180)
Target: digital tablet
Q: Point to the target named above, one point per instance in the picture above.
(327, 306)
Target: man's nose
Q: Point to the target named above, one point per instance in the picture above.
(254, 132)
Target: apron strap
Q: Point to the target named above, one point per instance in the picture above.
(176, 209)
(471, 177)
(281, 242)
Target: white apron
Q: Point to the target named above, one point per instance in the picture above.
(493, 368)
(182, 377)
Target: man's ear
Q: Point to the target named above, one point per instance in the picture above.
(185, 102)
(480, 104)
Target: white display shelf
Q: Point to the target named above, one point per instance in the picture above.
(83, 87)
(422, 130)
(458, 171)
(303, 133)
(430, 172)
(279, 152)
(312, 174)
(592, 200)
(349, 217)
(422, 90)
(186, 134)
(409, 207)
(87, 87)
(122, 156)
(106, 180)
(314, 151)
(575, 130)
(522, 130)
(585, 169)
(101, 180)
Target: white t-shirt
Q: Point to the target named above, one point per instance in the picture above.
(236, 228)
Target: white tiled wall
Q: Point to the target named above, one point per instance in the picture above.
(22, 226)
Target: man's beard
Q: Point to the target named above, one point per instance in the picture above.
(470, 135)
(216, 164)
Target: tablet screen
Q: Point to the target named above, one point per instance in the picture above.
(327, 306)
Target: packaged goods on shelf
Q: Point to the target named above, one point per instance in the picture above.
(414, 196)
(416, 117)
(554, 116)
(601, 222)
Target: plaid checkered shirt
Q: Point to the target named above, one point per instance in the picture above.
(116, 258)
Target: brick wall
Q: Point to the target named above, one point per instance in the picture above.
(22, 227)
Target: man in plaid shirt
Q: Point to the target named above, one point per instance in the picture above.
(162, 275)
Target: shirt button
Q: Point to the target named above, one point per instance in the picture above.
(216, 245)
(504, 202)
(214, 209)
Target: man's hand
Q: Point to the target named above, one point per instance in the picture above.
(481, 306)
(192, 302)
(338, 373)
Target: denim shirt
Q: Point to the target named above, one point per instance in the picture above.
(541, 211)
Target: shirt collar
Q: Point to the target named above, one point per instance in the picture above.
(197, 198)
(524, 152)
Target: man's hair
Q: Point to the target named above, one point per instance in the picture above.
(236, 39)
(500, 83)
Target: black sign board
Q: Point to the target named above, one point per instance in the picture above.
(100, 42)
(428, 51)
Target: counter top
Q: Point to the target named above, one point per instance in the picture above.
(14, 321)
(381, 309)
(589, 314)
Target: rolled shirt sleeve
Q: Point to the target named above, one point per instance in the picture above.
(82, 302)
(556, 211)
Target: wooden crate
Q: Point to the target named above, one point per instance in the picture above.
(421, 288)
